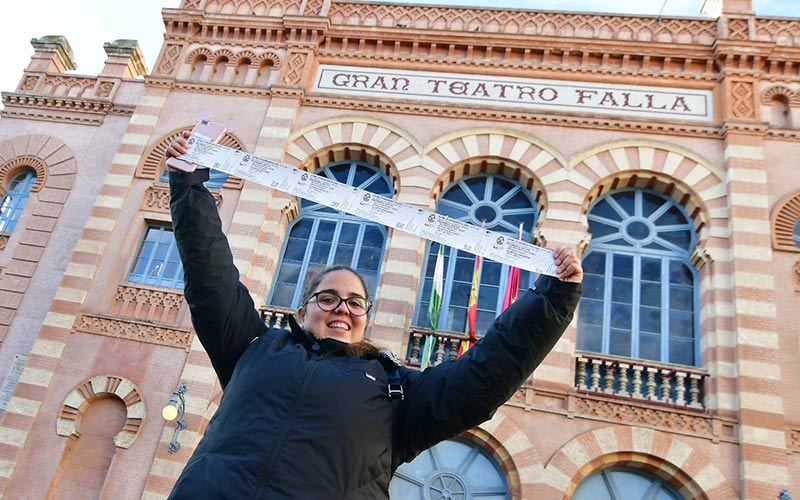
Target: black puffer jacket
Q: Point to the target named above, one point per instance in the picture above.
(299, 418)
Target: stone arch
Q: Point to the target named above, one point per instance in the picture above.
(688, 178)
(152, 162)
(779, 90)
(385, 145)
(226, 53)
(526, 159)
(268, 55)
(782, 220)
(78, 400)
(11, 168)
(202, 51)
(686, 468)
(245, 54)
(521, 461)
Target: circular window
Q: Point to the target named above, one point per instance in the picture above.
(456, 469)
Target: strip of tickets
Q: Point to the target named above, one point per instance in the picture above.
(376, 208)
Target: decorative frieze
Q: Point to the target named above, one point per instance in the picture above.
(169, 59)
(149, 304)
(633, 414)
(134, 330)
(522, 22)
(742, 105)
(784, 32)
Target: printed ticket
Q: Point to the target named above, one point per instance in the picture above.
(370, 206)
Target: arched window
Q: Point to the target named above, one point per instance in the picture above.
(198, 65)
(625, 483)
(13, 203)
(639, 289)
(781, 112)
(796, 234)
(322, 237)
(504, 205)
(456, 469)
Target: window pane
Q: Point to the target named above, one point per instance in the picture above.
(477, 185)
(500, 187)
(603, 209)
(650, 203)
(673, 216)
(680, 238)
(651, 269)
(594, 263)
(590, 338)
(457, 195)
(651, 294)
(650, 319)
(680, 274)
(593, 286)
(517, 200)
(680, 324)
(625, 200)
(623, 266)
(620, 342)
(681, 297)
(599, 229)
(650, 346)
(621, 316)
(681, 352)
(590, 312)
(622, 290)
(157, 262)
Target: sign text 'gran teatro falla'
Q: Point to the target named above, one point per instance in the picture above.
(527, 93)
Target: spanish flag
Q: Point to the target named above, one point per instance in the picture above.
(472, 309)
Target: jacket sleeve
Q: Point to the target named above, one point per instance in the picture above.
(455, 396)
(223, 313)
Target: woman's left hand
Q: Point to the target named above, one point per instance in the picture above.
(569, 265)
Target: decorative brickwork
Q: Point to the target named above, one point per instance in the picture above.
(78, 401)
(295, 68)
(638, 414)
(169, 58)
(780, 31)
(255, 7)
(134, 330)
(738, 30)
(793, 98)
(553, 24)
(742, 97)
(29, 83)
(685, 467)
(149, 304)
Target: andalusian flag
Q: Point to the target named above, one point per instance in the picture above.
(512, 287)
(472, 309)
(434, 307)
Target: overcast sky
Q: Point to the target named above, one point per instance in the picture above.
(88, 24)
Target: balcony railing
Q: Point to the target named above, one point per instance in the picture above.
(276, 317)
(640, 380)
(446, 345)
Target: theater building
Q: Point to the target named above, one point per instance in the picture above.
(665, 149)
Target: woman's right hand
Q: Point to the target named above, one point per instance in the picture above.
(179, 146)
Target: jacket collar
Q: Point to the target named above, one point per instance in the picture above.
(312, 343)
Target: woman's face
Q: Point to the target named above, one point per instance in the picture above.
(338, 324)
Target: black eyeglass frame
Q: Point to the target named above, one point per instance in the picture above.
(344, 300)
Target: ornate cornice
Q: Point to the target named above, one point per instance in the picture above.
(510, 116)
(129, 329)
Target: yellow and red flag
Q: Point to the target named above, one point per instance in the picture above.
(472, 310)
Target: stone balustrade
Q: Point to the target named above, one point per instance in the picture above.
(640, 380)
(446, 345)
(276, 317)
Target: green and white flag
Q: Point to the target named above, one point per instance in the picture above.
(434, 307)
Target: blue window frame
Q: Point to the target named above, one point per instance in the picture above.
(640, 289)
(157, 261)
(13, 203)
(455, 469)
(503, 204)
(796, 234)
(321, 237)
(625, 483)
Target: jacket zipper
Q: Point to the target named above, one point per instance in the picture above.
(273, 454)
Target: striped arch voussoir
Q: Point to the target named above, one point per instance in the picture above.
(367, 140)
(202, 51)
(78, 401)
(153, 160)
(685, 468)
(46, 155)
(268, 56)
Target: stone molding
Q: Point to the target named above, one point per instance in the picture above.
(139, 331)
(78, 401)
(510, 116)
(643, 414)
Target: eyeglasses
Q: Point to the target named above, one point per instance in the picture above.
(327, 301)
